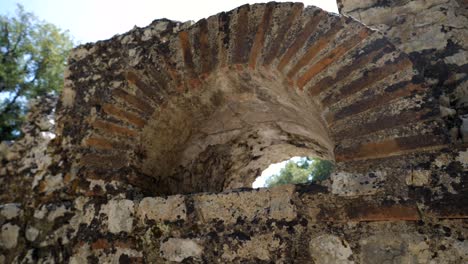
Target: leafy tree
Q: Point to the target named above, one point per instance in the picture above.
(302, 171)
(33, 55)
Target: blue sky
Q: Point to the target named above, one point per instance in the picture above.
(92, 20)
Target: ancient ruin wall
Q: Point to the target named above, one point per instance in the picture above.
(241, 90)
(196, 111)
(434, 35)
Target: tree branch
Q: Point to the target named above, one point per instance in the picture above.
(7, 40)
(8, 107)
(20, 37)
(20, 91)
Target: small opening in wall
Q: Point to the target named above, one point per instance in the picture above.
(295, 170)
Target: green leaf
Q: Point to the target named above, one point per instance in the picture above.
(303, 171)
(33, 56)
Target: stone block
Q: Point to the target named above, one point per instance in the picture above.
(120, 216)
(10, 211)
(281, 203)
(178, 249)
(330, 249)
(273, 203)
(395, 247)
(161, 209)
(418, 178)
(9, 236)
(372, 213)
(355, 184)
(31, 233)
(260, 247)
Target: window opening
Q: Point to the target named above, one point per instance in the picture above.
(296, 170)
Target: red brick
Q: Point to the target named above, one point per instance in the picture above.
(301, 39)
(375, 101)
(124, 115)
(100, 244)
(99, 142)
(315, 49)
(374, 213)
(382, 123)
(374, 50)
(372, 76)
(114, 129)
(241, 49)
(286, 24)
(260, 36)
(202, 38)
(332, 57)
(133, 101)
(115, 161)
(149, 91)
(396, 146)
(184, 39)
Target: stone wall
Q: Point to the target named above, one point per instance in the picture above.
(162, 130)
(434, 34)
(288, 224)
(24, 162)
(163, 110)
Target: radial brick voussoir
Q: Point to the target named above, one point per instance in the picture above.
(299, 80)
(277, 35)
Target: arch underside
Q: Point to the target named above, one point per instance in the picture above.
(206, 107)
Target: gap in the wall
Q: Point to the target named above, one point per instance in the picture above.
(296, 170)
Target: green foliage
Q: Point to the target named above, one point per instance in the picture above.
(33, 55)
(302, 171)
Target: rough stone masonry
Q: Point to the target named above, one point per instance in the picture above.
(160, 132)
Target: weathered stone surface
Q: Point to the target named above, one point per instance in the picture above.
(81, 256)
(31, 233)
(262, 204)
(177, 249)
(161, 131)
(352, 184)
(10, 211)
(120, 215)
(56, 213)
(28, 157)
(395, 248)
(330, 249)
(463, 158)
(420, 25)
(232, 121)
(160, 209)
(418, 178)
(434, 33)
(260, 248)
(9, 235)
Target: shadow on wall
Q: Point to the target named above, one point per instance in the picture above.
(296, 170)
(222, 136)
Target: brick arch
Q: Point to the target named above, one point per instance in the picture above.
(363, 91)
